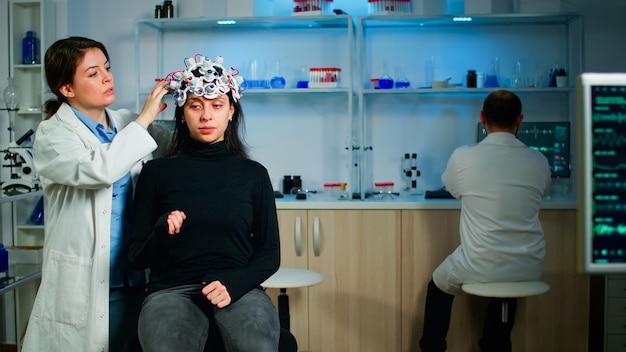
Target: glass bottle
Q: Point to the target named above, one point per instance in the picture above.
(343, 193)
(168, 10)
(30, 49)
(471, 79)
(287, 184)
(296, 184)
(277, 81)
(4, 262)
(158, 11)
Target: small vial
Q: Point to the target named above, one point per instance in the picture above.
(158, 11)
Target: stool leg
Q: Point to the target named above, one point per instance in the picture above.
(498, 324)
(283, 309)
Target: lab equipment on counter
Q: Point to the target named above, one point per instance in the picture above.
(441, 193)
(23, 174)
(411, 171)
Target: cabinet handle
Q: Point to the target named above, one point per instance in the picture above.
(316, 236)
(298, 236)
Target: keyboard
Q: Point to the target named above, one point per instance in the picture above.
(441, 193)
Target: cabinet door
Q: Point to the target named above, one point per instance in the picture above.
(357, 306)
(428, 237)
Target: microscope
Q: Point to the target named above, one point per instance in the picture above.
(411, 171)
(23, 176)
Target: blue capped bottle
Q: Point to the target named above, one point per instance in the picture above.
(4, 262)
(30, 49)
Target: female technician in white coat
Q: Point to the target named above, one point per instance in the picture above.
(87, 158)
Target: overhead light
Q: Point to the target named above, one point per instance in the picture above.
(462, 19)
(231, 22)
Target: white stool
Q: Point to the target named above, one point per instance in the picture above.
(506, 290)
(286, 278)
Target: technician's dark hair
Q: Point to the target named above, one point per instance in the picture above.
(501, 108)
(61, 60)
(234, 142)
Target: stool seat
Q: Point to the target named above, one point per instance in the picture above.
(293, 277)
(506, 289)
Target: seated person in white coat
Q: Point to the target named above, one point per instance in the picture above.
(500, 182)
(88, 158)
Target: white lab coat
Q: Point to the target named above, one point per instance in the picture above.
(500, 183)
(71, 310)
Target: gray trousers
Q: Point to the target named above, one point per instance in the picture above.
(178, 319)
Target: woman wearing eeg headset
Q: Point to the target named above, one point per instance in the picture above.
(205, 224)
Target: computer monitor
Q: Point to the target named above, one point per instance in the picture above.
(601, 112)
(550, 138)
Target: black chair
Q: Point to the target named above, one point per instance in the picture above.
(287, 342)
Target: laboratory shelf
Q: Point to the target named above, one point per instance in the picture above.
(6, 199)
(259, 22)
(406, 21)
(462, 91)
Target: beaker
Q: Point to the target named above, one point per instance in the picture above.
(491, 80)
(277, 81)
(256, 76)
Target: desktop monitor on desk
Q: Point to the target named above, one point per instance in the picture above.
(550, 138)
(601, 113)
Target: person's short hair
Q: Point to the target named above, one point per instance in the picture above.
(501, 108)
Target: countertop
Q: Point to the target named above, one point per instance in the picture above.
(401, 202)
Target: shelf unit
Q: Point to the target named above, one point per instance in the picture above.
(25, 15)
(18, 302)
(452, 45)
(310, 41)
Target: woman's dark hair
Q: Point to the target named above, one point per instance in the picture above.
(61, 60)
(234, 142)
(502, 108)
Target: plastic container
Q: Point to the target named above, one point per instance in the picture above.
(30, 49)
(324, 77)
(312, 7)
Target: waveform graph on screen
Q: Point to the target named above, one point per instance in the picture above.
(602, 110)
(552, 139)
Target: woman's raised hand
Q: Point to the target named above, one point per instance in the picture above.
(153, 105)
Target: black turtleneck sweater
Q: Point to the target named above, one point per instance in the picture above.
(231, 230)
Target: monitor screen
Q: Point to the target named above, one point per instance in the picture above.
(601, 110)
(550, 138)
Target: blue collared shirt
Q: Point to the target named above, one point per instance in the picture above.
(120, 210)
